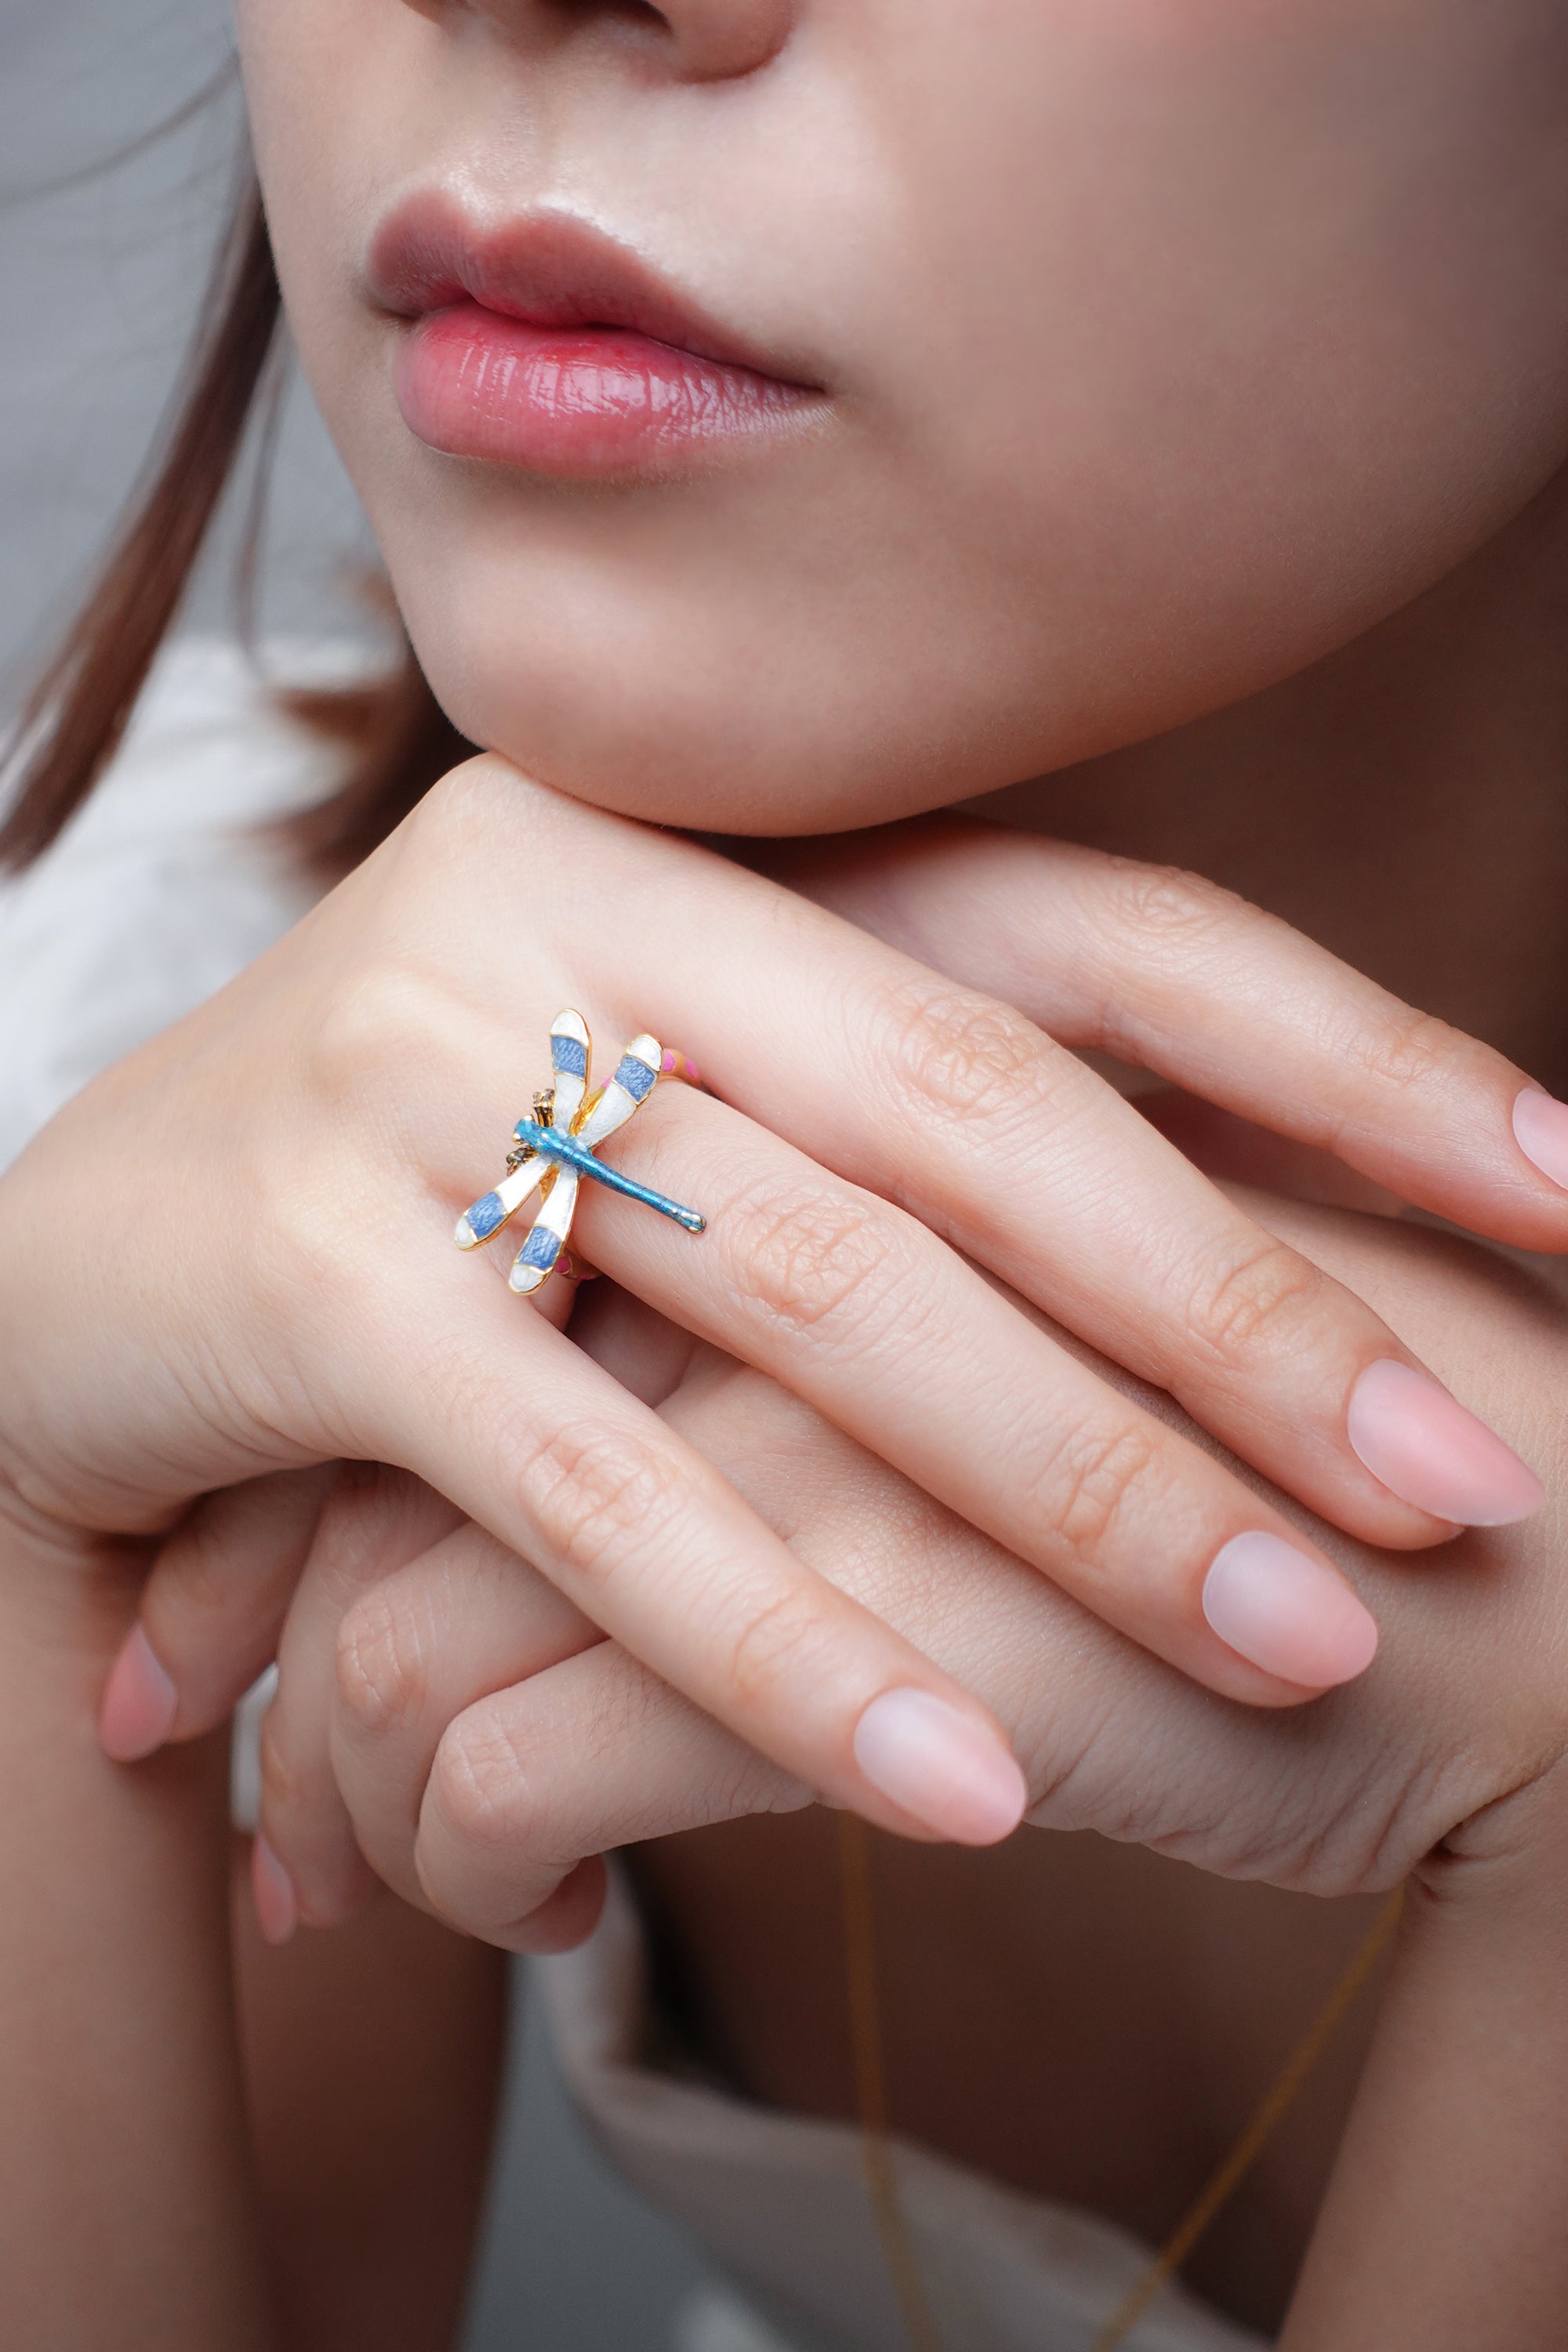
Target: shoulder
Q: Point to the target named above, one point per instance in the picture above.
(166, 884)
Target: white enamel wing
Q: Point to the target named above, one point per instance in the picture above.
(553, 1159)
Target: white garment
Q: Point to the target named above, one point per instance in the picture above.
(155, 896)
(159, 891)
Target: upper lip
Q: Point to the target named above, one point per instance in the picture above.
(547, 268)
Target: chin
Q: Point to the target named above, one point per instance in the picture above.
(704, 772)
(665, 725)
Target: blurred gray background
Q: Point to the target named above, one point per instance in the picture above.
(99, 281)
(100, 271)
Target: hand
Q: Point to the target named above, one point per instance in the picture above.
(1444, 2226)
(268, 1189)
(443, 1711)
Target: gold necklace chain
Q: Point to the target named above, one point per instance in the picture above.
(872, 2100)
(870, 2083)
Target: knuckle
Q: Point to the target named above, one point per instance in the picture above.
(805, 1254)
(1404, 1051)
(1260, 1295)
(1094, 1474)
(371, 1022)
(470, 820)
(962, 1055)
(382, 1673)
(456, 808)
(772, 1642)
(1155, 926)
(481, 1787)
(595, 1491)
(466, 805)
(1166, 902)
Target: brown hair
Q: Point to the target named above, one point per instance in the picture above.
(81, 707)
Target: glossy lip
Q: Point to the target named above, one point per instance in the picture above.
(540, 343)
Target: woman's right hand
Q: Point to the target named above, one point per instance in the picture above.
(490, 1745)
(230, 1257)
(443, 1713)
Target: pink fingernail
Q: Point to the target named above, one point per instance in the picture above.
(1541, 1131)
(1288, 1613)
(942, 1766)
(140, 1703)
(1429, 1451)
(272, 1892)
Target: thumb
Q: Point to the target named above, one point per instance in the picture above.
(211, 1611)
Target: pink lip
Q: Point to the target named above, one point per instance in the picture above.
(542, 345)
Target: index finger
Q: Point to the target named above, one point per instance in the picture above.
(642, 1534)
(1173, 973)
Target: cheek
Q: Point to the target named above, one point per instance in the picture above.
(1266, 299)
(337, 95)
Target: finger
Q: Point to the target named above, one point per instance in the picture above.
(860, 1308)
(211, 1611)
(215, 1603)
(1002, 1140)
(856, 1306)
(592, 1754)
(465, 1619)
(530, 1780)
(1174, 975)
(310, 1867)
(539, 1445)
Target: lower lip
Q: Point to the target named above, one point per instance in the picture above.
(590, 404)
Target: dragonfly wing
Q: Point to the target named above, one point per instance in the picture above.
(488, 1216)
(569, 1049)
(636, 1074)
(535, 1261)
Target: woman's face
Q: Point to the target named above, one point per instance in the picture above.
(782, 414)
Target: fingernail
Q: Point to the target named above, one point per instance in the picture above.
(1288, 1613)
(272, 1891)
(140, 1703)
(942, 1766)
(1541, 1131)
(1429, 1451)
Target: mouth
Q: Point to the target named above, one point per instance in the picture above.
(542, 345)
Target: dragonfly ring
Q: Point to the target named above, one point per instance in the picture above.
(555, 1149)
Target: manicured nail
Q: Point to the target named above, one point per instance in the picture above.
(1288, 1613)
(942, 1766)
(1429, 1451)
(272, 1891)
(140, 1703)
(1541, 1131)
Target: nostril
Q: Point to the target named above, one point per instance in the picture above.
(711, 40)
(638, 13)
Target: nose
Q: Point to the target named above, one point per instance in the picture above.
(700, 40)
(720, 40)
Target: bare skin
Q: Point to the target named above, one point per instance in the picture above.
(1087, 2022)
(1120, 2094)
(1346, 802)
(1178, 537)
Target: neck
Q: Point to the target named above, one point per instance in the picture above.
(1404, 802)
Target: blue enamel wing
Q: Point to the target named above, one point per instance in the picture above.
(555, 1149)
